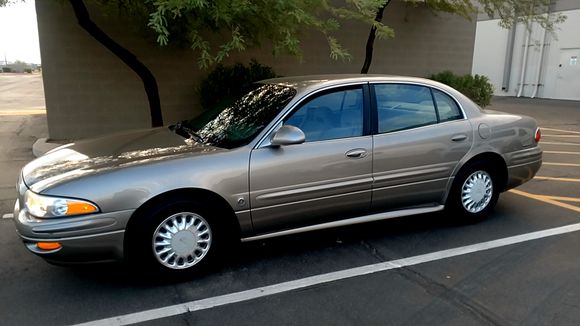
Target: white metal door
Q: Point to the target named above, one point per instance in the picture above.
(568, 75)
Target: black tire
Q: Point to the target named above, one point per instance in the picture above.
(190, 258)
(483, 180)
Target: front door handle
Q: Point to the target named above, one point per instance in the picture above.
(460, 137)
(356, 153)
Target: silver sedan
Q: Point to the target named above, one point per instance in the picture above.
(293, 155)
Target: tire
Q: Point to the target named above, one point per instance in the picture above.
(474, 193)
(176, 239)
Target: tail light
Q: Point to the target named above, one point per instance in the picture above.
(538, 135)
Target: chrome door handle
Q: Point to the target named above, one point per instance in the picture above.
(459, 138)
(356, 153)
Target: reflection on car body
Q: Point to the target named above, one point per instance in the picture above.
(293, 155)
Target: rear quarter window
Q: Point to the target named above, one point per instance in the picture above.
(448, 109)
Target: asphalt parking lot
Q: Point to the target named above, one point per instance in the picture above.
(517, 267)
(21, 92)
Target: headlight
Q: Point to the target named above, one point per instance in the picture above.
(47, 207)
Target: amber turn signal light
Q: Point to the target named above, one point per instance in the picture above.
(48, 245)
(75, 208)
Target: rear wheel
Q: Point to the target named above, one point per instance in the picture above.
(474, 193)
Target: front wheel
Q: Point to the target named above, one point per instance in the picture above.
(177, 238)
(182, 240)
(474, 193)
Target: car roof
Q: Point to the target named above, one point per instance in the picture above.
(303, 83)
(306, 84)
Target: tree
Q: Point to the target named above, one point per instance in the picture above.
(6, 2)
(215, 28)
(510, 12)
(149, 81)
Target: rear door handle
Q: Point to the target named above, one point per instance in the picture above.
(459, 137)
(356, 153)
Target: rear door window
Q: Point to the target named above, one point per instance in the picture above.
(401, 107)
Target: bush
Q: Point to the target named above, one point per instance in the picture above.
(225, 84)
(28, 70)
(477, 88)
(6, 69)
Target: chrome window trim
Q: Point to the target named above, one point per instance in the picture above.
(264, 138)
(374, 82)
(418, 128)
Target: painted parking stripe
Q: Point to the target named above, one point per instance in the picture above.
(556, 179)
(562, 152)
(7, 216)
(546, 199)
(560, 143)
(560, 164)
(564, 136)
(560, 198)
(562, 130)
(269, 290)
(23, 112)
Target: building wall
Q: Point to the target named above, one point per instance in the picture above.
(89, 91)
(540, 69)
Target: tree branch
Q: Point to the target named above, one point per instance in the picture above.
(149, 82)
(371, 39)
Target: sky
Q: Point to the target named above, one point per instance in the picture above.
(19, 33)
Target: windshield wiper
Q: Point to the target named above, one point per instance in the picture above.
(186, 132)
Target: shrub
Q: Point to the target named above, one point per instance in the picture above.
(225, 84)
(6, 69)
(28, 70)
(477, 87)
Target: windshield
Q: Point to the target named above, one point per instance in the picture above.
(237, 124)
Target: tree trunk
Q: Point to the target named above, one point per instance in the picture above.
(126, 56)
(371, 39)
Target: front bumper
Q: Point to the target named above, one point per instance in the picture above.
(89, 238)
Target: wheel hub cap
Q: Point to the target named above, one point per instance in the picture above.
(477, 191)
(182, 240)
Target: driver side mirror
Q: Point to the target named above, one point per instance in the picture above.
(288, 135)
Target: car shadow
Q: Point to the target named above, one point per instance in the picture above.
(257, 254)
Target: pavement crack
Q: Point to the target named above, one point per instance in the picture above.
(452, 296)
(571, 305)
(442, 291)
(180, 298)
(374, 251)
(21, 128)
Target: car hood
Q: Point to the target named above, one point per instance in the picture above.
(109, 152)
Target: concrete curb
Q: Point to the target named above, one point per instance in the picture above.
(42, 145)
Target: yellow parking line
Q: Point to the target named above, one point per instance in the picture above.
(23, 112)
(562, 152)
(556, 179)
(563, 136)
(561, 144)
(546, 199)
(560, 164)
(570, 199)
(561, 130)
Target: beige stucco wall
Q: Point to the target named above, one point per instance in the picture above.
(90, 92)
